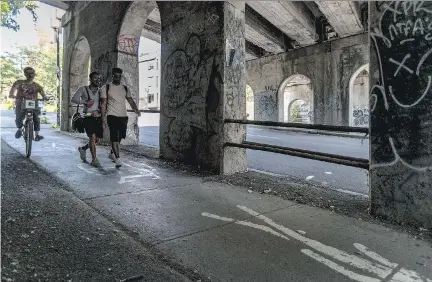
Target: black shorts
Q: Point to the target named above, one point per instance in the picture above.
(117, 127)
(93, 125)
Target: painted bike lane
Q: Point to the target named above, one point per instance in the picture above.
(227, 233)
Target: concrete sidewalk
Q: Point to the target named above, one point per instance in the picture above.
(227, 233)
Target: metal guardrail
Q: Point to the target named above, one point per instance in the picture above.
(146, 111)
(301, 125)
(142, 111)
(319, 156)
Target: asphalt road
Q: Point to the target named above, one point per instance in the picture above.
(334, 176)
(339, 177)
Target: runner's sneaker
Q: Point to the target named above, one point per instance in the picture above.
(118, 163)
(95, 162)
(112, 157)
(82, 154)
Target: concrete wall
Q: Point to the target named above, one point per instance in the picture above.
(329, 67)
(401, 116)
(199, 88)
(360, 102)
(101, 34)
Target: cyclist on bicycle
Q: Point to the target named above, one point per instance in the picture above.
(26, 90)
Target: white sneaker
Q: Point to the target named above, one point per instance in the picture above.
(82, 154)
(112, 157)
(118, 163)
(95, 162)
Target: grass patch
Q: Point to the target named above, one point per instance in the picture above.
(44, 120)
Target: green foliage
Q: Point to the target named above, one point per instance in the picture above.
(54, 125)
(44, 120)
(9, 73)
(295, 112)
(10, 106)
(44, 62)
(249, 94)
(51, 108)
(10, 10)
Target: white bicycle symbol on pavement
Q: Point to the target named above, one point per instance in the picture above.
(380, 267)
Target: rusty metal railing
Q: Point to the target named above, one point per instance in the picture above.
(319, 156)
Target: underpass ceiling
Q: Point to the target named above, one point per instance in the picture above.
(277, 26)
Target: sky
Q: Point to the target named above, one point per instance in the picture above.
(27, 35)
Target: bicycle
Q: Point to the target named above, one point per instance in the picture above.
(29, 106)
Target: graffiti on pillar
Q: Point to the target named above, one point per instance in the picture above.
(401, 100)
(210, 19)
(267, 105)
(103, 65)
(128, 44)
(192, 81)
(361, 117)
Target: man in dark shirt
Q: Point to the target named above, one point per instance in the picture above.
(26, 90)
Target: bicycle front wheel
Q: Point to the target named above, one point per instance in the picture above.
(29, 133)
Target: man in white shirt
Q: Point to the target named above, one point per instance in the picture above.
(90, 96)
(114, 96)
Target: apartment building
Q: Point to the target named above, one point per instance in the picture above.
(149, 82)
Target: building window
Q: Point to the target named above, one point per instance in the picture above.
(150, 98)
(157, 81)
(157, 64)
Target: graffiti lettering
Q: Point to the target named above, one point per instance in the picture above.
(361, 117)
(128, 44)
(192, 93)
(267, 106)
(269, 88)
(401, 98)
(103, 65)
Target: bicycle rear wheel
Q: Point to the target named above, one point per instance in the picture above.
(28, 134)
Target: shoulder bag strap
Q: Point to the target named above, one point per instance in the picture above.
(88, 95)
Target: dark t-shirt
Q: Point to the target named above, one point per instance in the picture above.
(26, 90)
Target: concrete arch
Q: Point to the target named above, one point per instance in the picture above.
(79, 65)
(303, 92)
(79, 68)
(128, 40)
(359, 97)
(250, 103)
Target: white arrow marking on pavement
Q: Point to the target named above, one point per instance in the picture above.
(383, 270)
(126, 179)
(91, 170)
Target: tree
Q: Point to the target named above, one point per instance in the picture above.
(11, 8)
(43, 61)
(9, 74)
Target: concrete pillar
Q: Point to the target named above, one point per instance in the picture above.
(203, 82)
(401, 115)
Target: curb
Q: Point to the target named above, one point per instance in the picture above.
(316, 132)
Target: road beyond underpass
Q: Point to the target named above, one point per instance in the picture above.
(338, 177)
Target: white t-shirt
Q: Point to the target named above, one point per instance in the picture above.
(116, 99)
